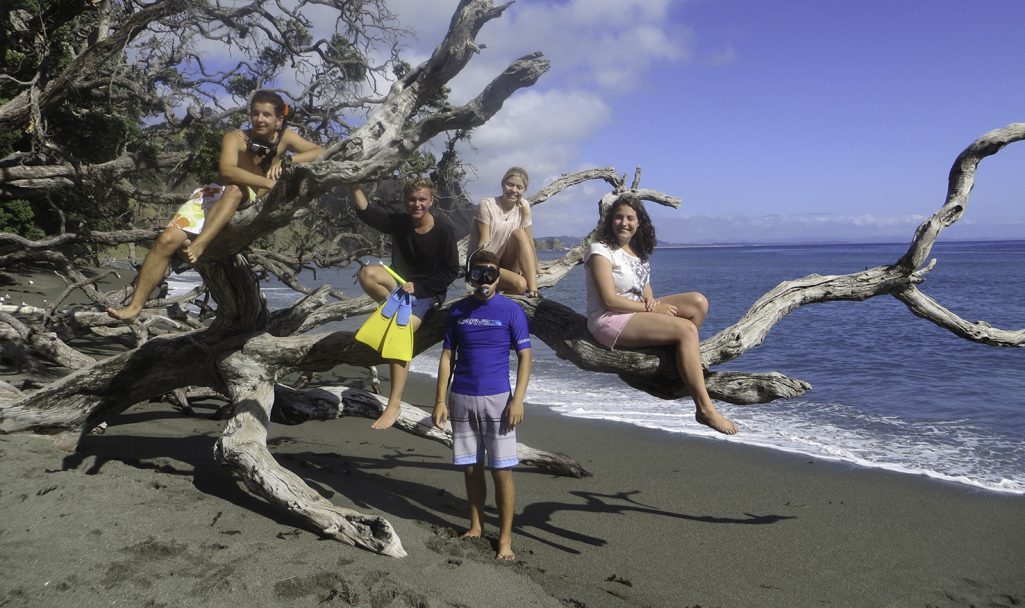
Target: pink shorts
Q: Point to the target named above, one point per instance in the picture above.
(607, 327)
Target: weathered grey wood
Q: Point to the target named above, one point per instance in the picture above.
(13, 241)
(19, 341)
(243, 448)
(979, 331)
(8, 392)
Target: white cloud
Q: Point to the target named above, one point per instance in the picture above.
(552, 115)
(605, 44)
(588, 40)
(573, 212)
(536, 130)
(604, 12)
(707, 229)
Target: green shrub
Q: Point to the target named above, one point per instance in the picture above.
(16, 216)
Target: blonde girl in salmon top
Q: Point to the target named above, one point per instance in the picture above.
(503, 226)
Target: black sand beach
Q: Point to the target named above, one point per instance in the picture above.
(141, 516)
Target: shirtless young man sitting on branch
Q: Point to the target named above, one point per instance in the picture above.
(250, 164)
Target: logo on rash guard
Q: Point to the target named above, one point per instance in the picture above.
(481, 322)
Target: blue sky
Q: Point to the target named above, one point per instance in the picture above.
(773, 121)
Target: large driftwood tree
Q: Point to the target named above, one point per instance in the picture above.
(245, 349)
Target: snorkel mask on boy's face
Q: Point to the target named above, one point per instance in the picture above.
(482, 278)
(483, 275)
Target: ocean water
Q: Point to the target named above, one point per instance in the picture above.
(890, 390)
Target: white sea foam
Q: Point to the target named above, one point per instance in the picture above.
(958, 454)
(949, 450)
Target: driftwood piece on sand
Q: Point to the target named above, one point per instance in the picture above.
(293, 406)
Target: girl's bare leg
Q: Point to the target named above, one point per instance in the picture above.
(692, 305)
(216, 220)
(521, 245)
(152, 272)
(511, 282)
(519, 271)
(653, 329)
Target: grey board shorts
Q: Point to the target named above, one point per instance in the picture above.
(479, 428)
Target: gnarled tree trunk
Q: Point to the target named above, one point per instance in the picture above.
(238, 355)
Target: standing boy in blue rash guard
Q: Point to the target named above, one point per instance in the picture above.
(481, 329)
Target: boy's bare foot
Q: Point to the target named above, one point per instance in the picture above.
(193, 250)
(388, 418)
(128, 314)
(505, 552)
(716, 422)
(471, 533)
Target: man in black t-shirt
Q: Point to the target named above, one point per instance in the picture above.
(424, 253)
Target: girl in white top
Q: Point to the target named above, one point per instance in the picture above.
(503, 225)
(622, 309)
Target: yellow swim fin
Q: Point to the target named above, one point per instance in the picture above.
(374, 329)
(398, 339)
(388, 329)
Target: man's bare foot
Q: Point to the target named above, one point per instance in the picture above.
(388, 418)
(193, 250)
(471, 533)
(716, 422)
(505, 552)
(128, 313)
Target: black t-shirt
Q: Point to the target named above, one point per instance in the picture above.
(430, 261)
